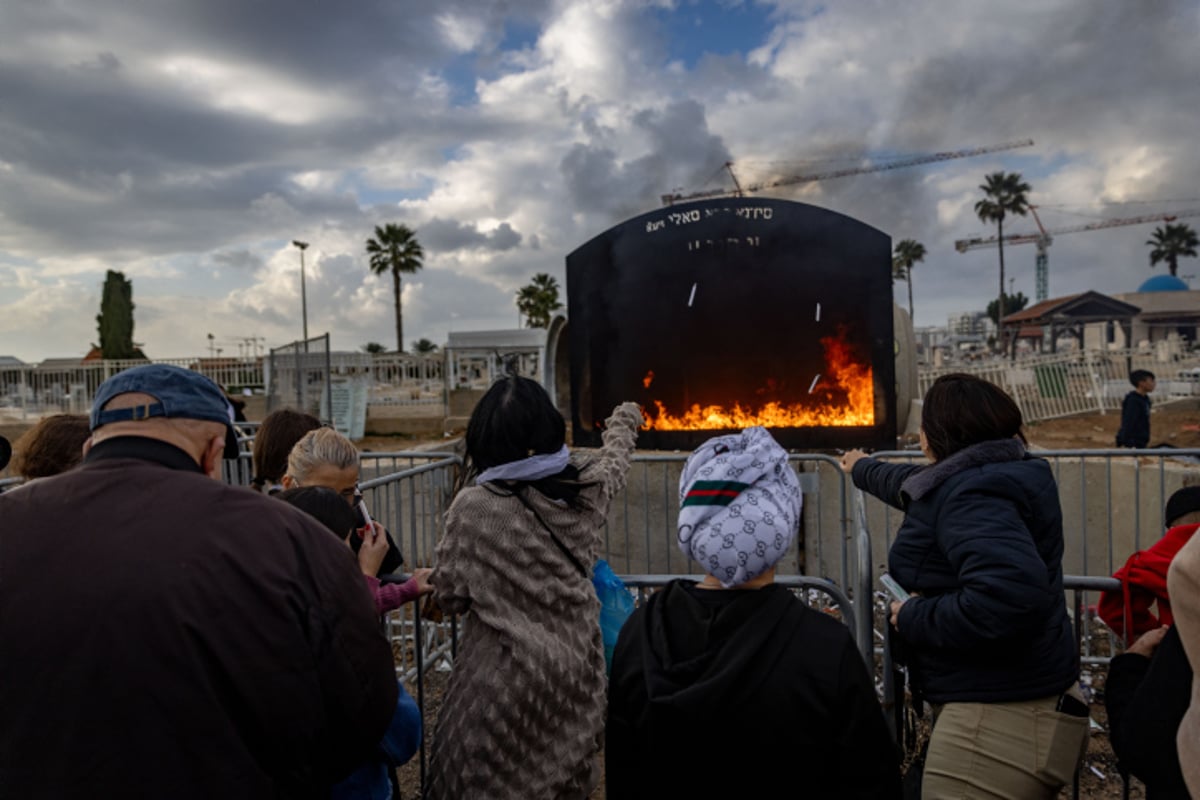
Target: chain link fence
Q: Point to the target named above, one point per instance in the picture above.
(298, 376)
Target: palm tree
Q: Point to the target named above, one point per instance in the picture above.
(395, 249)
(907, 253)
(1004, 194)
(538, 300)
(1170, 242)
(424, 347)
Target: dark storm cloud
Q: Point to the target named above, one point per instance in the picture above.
(682, 152)
(1122, 74)
(323, 41)
(443, 235)
(245, 310)
(105, 150)
(159, 215)
(241, 260)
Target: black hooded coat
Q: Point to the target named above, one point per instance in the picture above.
(729, 693)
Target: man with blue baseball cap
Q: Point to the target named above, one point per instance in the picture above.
(177, 394)
(163, 634)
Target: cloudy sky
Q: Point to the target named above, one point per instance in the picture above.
(187, 142)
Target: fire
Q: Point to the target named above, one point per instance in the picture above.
(649, 379)
(842, 395)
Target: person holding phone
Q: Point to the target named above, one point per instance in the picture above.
(985, 633)
(373, 777)
(324, 457)
(373, 547)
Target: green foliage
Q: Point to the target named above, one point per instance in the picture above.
(374, 348)
(115, 320)
(906, 253)
(424, 347)
(538, 300)
(1172, 242)
(1004, 193)
(1012, 304)
(395, 250)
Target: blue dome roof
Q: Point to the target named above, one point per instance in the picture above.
(1163, 283)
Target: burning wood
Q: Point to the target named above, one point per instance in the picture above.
(846, 398)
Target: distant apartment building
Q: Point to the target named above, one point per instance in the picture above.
(970, 323)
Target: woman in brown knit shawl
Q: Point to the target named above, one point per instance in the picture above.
(523, 715)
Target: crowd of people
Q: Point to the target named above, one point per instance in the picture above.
(165, 634)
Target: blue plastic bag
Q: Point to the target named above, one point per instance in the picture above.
(616, 604)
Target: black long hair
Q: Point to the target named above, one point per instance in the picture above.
(961, 410)
(516, 419)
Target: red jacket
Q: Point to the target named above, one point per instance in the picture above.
(1144, 583)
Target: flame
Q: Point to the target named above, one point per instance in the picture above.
(646, 381)
(842, 395)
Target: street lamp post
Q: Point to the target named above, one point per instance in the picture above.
(303, 297)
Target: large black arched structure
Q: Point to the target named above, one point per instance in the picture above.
(727, 301)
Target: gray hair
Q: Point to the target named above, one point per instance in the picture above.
(320, 447)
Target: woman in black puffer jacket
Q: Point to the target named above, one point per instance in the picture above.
(986, 635)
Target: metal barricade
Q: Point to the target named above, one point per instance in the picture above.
(411, 504)
(639, 537)
(432, 645)
(1078, 586)
(1113, 501)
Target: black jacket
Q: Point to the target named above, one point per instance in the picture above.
(719, 693)
(1135, 421)
(165, 635)
(982, 544)
(1146, 699)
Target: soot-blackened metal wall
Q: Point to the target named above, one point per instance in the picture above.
(727, 301)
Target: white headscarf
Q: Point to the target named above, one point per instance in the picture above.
(533, 468)
(739, 506)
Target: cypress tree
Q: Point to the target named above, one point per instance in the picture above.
(115, 320)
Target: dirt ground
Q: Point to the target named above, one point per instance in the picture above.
(1175, 424)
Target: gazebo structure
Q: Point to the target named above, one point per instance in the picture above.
(1070, 314)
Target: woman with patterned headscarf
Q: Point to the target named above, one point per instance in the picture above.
(719, 685)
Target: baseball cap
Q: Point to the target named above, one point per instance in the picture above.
(181, 394)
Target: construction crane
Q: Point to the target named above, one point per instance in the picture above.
(1043, 238)
(899, 163)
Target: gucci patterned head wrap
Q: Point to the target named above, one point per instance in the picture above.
(739, 506)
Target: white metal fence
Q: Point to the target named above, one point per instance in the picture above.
(67, 386)
(1044, 386)
(1062, 384)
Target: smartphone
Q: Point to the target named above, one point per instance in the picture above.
(894, 589)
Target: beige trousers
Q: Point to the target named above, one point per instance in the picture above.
(1007, 751)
